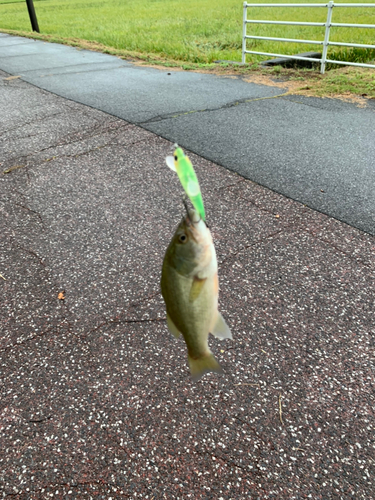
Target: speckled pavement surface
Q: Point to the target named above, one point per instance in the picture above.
(96, 399)
(320, 152)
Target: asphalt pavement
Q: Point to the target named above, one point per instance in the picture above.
(320, 152)
(96, 398)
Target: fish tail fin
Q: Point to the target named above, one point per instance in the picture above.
(198, 367)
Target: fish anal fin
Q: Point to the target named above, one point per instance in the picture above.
(196, 288)
(172, 327)
(198, 367)
(221, 329)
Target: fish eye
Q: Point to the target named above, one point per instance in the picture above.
(182, 238)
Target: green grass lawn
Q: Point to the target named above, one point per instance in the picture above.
(190, 34)
(196, 31)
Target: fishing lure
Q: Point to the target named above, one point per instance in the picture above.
(181, 164)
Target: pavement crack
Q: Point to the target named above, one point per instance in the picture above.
(108, 144)
(11, 169)
(232, 185)
(335, 247)
(118, 321)
(31, 252)
(32, 211)
(31, 122)
(309, 104)
(19, 192)
(228, 105)
(89, 133)
(83, 153)
(253, 202)
(25, 341)
(76, 484)
(116, 442)
(246, 247)
(229, 461)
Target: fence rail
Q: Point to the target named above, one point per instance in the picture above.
(324, 43)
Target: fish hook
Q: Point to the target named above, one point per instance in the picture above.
(184, 201)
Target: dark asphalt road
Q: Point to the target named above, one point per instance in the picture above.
(96, 399)
(320, 152)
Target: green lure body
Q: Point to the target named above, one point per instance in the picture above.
(181, 164)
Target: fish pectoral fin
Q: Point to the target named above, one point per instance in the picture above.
(172, 327)
(221, 329)
(196, 288)
(198, 367)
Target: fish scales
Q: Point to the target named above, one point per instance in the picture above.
(193, 318)
(189, 286)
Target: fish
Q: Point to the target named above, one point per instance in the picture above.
(190, 288)
(181, 164)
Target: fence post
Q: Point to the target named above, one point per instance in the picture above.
(244, 33)
(326, 37)
(32, 15)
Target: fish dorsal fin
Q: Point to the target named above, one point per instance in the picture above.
(221, 329)
(196, 288)
(172, 327)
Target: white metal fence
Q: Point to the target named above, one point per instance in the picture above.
(324, 43)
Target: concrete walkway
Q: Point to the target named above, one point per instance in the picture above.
(96, 399)
(320, 152)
